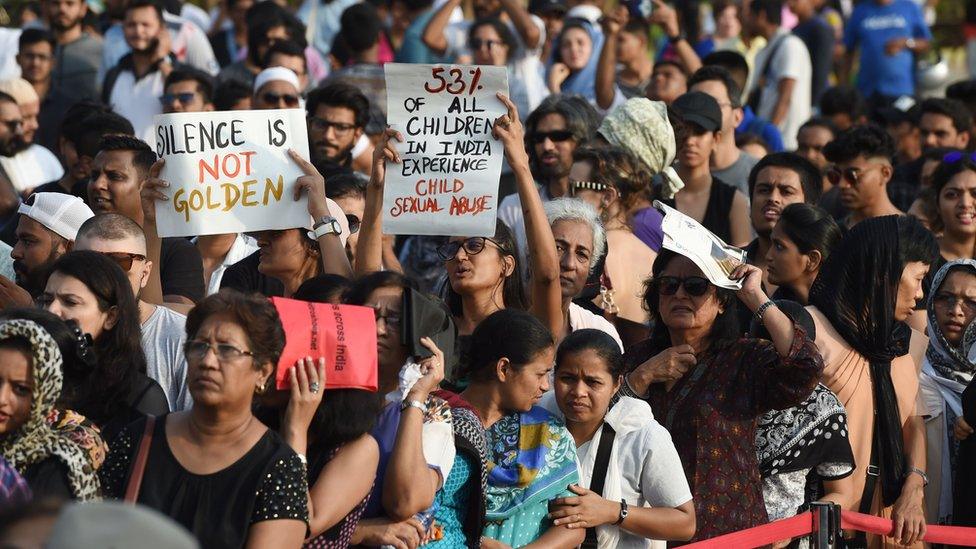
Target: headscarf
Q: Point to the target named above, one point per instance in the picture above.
(950, 362)
(49, 432)
(583, 81)
(641, 126)
(856, 290)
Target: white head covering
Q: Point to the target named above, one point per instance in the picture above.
(21, 90)
(273, 74)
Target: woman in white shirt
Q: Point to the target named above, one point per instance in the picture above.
(633, 487)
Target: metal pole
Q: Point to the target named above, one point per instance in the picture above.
(824, 525)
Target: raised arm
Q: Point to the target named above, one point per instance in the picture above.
(150, 193)
(546, 295)
(667, 17)
(523, 23)
(434, 36)
(606, 69)
(334, 259)
(369, 248)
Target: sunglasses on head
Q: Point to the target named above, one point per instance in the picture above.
(290, 99)
(557, 136)
(576, 186)
(124, 259)
(695, 286)
(957, 156)
(472, 246)
(169, 99)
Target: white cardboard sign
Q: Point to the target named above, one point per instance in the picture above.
(447, 183)
(230, 172)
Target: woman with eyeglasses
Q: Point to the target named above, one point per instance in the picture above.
(493, 43)
(424, 477)
(482, 272)
(611, 181)
(92, 290)
(954, 188)
(215, 468)
(865, 292)
(802, 240)
(947, 370)
(708, 386)
(56, 450)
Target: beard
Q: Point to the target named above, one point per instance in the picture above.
(13, 146)
(149, 49)
(57, 25)
(33, 280)
(551, 172)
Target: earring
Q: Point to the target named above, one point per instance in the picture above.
(260, 389)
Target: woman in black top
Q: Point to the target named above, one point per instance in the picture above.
(92, 290)
(215, 468)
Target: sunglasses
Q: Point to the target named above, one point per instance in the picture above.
(354, 223)
(477, 43)
(124, 259)
(695, 286)
(557, 136)
(323, 125)
(472, 246)
(290, 99)
(851, 175)
(170, 99)
(957, 156)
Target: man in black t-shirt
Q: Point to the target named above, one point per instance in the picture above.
(121, 164)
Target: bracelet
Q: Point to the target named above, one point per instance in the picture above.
(762, 309)
(414, 404)
(627, 390)
(919, 472)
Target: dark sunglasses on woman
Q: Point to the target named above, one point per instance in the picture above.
(472, 246)
(273, 98)
(695, 286)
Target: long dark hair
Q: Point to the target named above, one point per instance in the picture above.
(358, 293)
(500, 28)
(104, 393)
(725, 329)
(512, 334)
(512, 291)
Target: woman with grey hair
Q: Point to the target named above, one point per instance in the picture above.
(580, 242)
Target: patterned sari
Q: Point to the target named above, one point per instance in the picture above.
(533, 460)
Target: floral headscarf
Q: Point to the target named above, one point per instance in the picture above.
(49, 432)
(950, 362)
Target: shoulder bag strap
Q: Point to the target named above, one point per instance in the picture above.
(139, 467)
(600, 475)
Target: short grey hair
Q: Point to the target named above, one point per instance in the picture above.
(573, 209)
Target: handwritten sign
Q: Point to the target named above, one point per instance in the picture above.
(229, 172)
(448, 181)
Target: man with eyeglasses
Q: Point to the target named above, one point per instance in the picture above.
(187, 90)
(134, 86)
(276, 88)
(35, 56)
(337, 118)
(47, 229)
(163, 330)
(861, 168)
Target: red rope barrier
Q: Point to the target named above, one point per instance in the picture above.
(758, 536)
(950, 535)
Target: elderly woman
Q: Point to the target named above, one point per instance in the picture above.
(215, 468)
(947, 370)
(56, 451)
(532, 457)
(580, 243)
(640, 494)
(710, 387)
(612, 180)
(865, 291)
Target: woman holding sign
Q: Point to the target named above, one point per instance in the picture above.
(482, 271)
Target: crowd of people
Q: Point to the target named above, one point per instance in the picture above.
(592, 387)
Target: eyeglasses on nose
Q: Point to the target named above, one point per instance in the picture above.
(557, 136)
(323, 125)
(695, 286)
(170, 99)
(477, 43)
(289, 99)
(472, 246)
(196, 350)
(124, 259)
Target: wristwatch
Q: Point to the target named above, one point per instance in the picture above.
(623, 512)
(327, 225)
(919, 472)
(414, 404)
(676, 38)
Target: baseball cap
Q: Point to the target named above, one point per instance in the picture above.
(117, 525)
(61, 213)
(699, 108)
(547, 6)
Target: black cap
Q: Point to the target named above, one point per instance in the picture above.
(699, 108)
(547, 6)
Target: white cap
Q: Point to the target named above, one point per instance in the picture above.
(340, 216)
(61, 213)
(273, 74)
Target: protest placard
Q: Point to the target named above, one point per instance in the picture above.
(447, 183)
(229, 172)
(344, 335)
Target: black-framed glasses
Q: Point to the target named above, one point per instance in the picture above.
(289, 99)
(124, 259)
(957, 156)
(695, 286)
(557, 136)
(196, 350)
(472, 246)
(477, 43)
(170, 99)
(354, 223)
(323, 125)
(12, 125)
